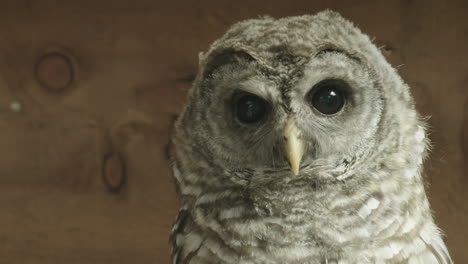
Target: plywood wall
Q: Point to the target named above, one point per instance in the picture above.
(89, 90)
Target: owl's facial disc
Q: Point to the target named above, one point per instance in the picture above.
(328, 98)
(294, 144)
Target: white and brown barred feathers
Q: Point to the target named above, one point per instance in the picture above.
(365, 206)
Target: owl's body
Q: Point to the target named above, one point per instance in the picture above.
(301, 144)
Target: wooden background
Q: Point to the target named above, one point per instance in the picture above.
(89, 89)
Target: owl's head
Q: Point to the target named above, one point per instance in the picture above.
(303, 97)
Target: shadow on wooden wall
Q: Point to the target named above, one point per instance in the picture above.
(89, 90)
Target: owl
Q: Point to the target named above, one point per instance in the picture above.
(300, 143)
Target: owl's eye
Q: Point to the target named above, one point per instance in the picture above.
(250, 108)
(328, 96)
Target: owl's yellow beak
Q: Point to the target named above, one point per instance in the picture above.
(294, 144)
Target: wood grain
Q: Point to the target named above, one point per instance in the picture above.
(132, 65)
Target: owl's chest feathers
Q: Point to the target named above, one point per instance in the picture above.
(305, 226)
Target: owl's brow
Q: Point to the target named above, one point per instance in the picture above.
(332, 49)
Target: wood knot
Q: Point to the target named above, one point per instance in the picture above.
(114, 172)
(54, 71)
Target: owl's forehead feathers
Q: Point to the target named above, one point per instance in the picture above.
(272, 42)
(304, 36)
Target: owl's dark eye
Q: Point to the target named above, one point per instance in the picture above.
(250, 108)
(328, 96)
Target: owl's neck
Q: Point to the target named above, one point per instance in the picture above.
(312, 216)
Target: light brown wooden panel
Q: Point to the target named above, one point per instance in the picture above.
(125, 73)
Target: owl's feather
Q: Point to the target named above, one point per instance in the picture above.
(359, 194)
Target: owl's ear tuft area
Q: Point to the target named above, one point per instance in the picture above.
(224, 57)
